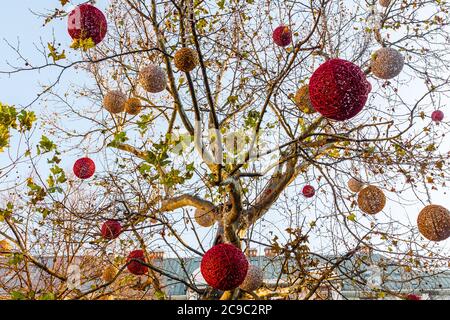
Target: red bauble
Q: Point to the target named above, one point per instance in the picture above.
(224, 267)
(282, 36)
(338, 89)
(413, 297)
(84, 168)
(86, 21)
(111, 229)
(437, 116)
(134, 266)
(308, 191)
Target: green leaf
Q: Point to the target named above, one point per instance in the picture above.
(17, 295)
(47, 296)
(45, 145)
(54, 54)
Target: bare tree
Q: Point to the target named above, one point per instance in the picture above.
(227, 138)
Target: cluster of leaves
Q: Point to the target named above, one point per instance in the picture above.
(10, 119)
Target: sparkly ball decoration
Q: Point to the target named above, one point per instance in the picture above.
(385, 3)
(153, 78)
(354, 185)
(87, 22)
(186, 59)
(437, 116)
(84, 168)
(338, 89)
(282, 36)
(308, 191)
(253, 279)
(111, 229)
(302, 100)
(114, 101)
(387, 63)
(371, 200)
(413, 297)
(134, 266)
(204, 218)
(434, 222)
(109, 273)
(224, 267)
(133, 106)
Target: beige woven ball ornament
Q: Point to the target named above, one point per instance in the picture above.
(434, 222)
(153, 78)
(114, 101)
(355, 185)
(302, 100)
(109, 273)
(387, 63)
(371, 200)
(186, 59)
(204, 218)
(253, 279)
(385, 3)
(133, 106)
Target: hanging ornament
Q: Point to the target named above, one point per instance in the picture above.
(84, 168)
(111, 229)
(109, 273)
(186, 59)
(387, 63)
(114, 101)
(385, 3)
(134, 266)
(253, 279)
(224, 267)
(355, 185)
(153, 78)
(282, 36)
(371, 200)
(204, 218)
(434, 222)
(133, 106)
(338, 89)
(413, 297)
(87, 23)
(302, 100)
(437, 116)
(308, 191)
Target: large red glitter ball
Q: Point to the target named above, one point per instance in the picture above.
(86, 21)
(111, 229)
(308, 191)
(338, 89)
(282, 36)
(84, 168)
(413, 297)
(224, 267)
(134, 266)
(437, 116)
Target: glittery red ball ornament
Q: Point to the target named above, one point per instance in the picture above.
(282, 36)
(86, 21)
(338, 89)
(111, 229)
(134, 266)
(224, 267)
(437, 116)
(308, 191)
(84, 168)
(413, 297)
